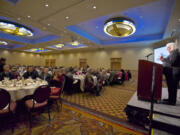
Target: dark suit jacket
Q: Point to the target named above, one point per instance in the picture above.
(173, 60)
(46, 77)
(172, 65)
(33, 75)
(8, 75)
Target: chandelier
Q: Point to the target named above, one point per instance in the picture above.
(75, 43)
(119, 27)
(59, 45)
(37, 50)
(15, 29)
(3, 43)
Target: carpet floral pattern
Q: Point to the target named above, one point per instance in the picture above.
(70, 121)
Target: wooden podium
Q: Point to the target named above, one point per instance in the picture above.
(145, 71)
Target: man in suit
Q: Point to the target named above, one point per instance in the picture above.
(45, 75)
(171, 70)
(31, 73)
(6, 73)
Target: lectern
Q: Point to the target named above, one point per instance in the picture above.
(145, 71)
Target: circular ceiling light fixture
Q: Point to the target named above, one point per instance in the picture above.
(59, 45)
(15, 29)
(3, 43)
(75, 43)
(119, 27)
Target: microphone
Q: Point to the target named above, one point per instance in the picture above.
(149, 54)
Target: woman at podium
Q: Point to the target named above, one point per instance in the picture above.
(171, 70)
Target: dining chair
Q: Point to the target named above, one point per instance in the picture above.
(38, 102)
(7, 109)
(68, 85)
(56, 95)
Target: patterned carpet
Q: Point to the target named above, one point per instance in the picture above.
(70, 121)
(112, 101)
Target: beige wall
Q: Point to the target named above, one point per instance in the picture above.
(95, 58)
(101, 58)
(21, 58)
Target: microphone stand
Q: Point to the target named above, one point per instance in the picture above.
(149, 55)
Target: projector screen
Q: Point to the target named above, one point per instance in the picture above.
(162, 51)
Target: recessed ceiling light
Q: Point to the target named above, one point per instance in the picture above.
(67, 17)
(48, 24)
(29, 16)
(46, 5)
(94, 7)
(18, 18)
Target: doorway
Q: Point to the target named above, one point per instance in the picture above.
(83, 63)
(116, 64)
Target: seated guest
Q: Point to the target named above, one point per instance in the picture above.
(55, 81)
(6, 73)
(62, 75)
(45, 75)
(15, 73)
(129, 74)
(126, 76)
(21, 70)
(89, 83)
(106, 77)
(111, 77)
(123, 75)
(30, 73)
(70, 73)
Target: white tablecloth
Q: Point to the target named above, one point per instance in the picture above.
(20, 92)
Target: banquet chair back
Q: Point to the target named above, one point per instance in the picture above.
(42, 93)
(5, 98)
(56, 96)
(39, 101)
(68, 86)
(6, 107)
(88, 85)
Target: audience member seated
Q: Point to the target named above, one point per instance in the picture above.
(126, 76)
(30, 73)
(55, 81)
(6, 73)
(123, 75)
(89, 83)
(129, 75)
(62, 76)
(15, 73)
(45, 75)
(111, 77)
(69, 73)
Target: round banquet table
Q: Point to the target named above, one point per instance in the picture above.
(19, 92)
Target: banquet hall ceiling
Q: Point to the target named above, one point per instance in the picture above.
(64, 21)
